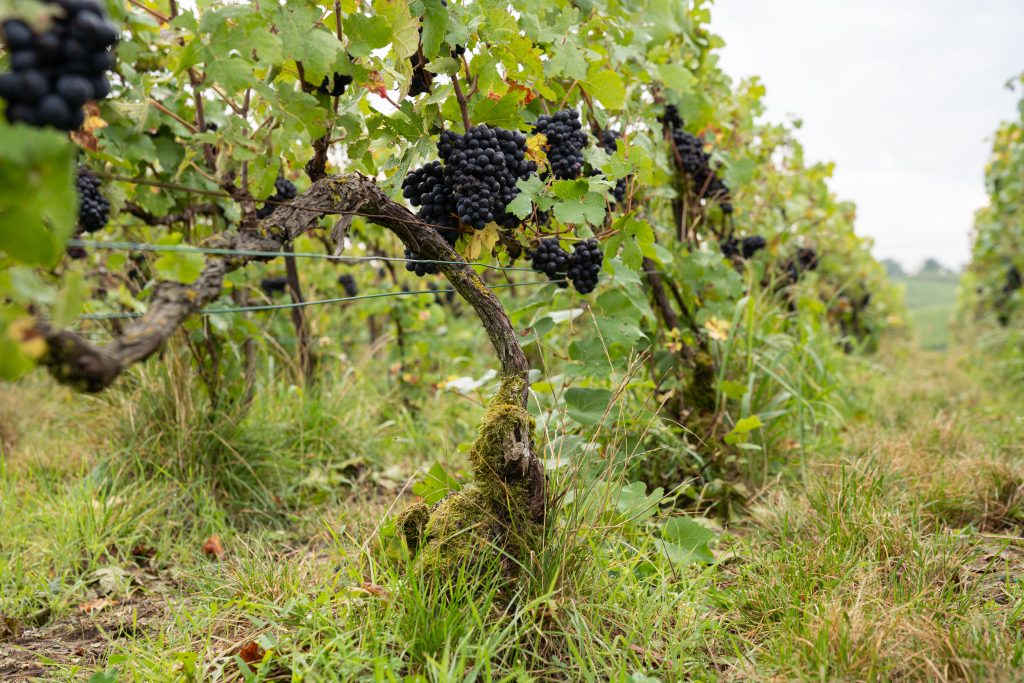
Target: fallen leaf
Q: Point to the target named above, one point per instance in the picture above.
(213, 548)
(93, 606)
(9, 628)
(110, 579)
(251, 652)
(372, 589)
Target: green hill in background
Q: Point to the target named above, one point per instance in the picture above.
(931, 303)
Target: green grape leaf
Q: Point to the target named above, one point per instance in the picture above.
(606, 86)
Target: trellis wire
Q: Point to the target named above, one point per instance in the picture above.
(189, 249)
(317, 302)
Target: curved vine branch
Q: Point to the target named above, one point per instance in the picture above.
(73, 360)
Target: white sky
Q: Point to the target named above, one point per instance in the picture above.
(903, 95)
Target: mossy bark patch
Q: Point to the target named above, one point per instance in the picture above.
(499, 512)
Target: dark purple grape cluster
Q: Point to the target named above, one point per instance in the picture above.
(745, 248)
(472, 184)
(585, 266)
(808, 258)
(805, 259)
(55, 72)
(753, 244)
(284, 190)
(348, 283)
(565, 142)
(671, 117)
(273, 285)
(421, 78)
(93, 207)
(416, 264)
(430, 189)
(608, 141)
(549, 258)
(1014, 281)
(483, 167)
(689, 154)
(335, 85)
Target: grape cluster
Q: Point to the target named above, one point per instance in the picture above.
(608, 141)
(472, 184)
(585, 266)
(549, 258)
(1014, 281)
(805, 259)
(745, 248)
(415, 264)
(695, 161)
(348, 283)
(335, 85)
(430, 189)
(483, 167)
(565, 142)
(274, 284)
(56, 72)
(284, 190)
(753, 244)
(582, 268)
(421, 78)
(93, 207)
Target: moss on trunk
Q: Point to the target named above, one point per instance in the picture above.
(497, 513)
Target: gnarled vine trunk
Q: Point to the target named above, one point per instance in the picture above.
(504, 508)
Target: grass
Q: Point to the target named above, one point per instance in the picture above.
(890, 551)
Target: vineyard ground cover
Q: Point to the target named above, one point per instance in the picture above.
(894, 553)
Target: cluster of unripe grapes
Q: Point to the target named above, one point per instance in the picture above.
(565, 142)
(284, 190)
(695, 161)
(582, 267)
(55, 72)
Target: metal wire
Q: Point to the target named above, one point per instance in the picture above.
(189, 249)
(301, 304)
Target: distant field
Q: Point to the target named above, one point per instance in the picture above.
(931, 301)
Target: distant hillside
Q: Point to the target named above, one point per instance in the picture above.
(931, 302)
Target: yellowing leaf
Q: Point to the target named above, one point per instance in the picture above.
(482, 242)
(717, 328)
(536, 146)
(23, 331)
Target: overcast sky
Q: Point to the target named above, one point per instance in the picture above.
(902, 94)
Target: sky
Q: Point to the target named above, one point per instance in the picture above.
(903, 95)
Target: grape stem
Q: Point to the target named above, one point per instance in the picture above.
(463, 102)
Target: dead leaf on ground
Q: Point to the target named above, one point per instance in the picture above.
(94, 606)
(9, 628)
(251, 652)
(213, 548)
(372, 589)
